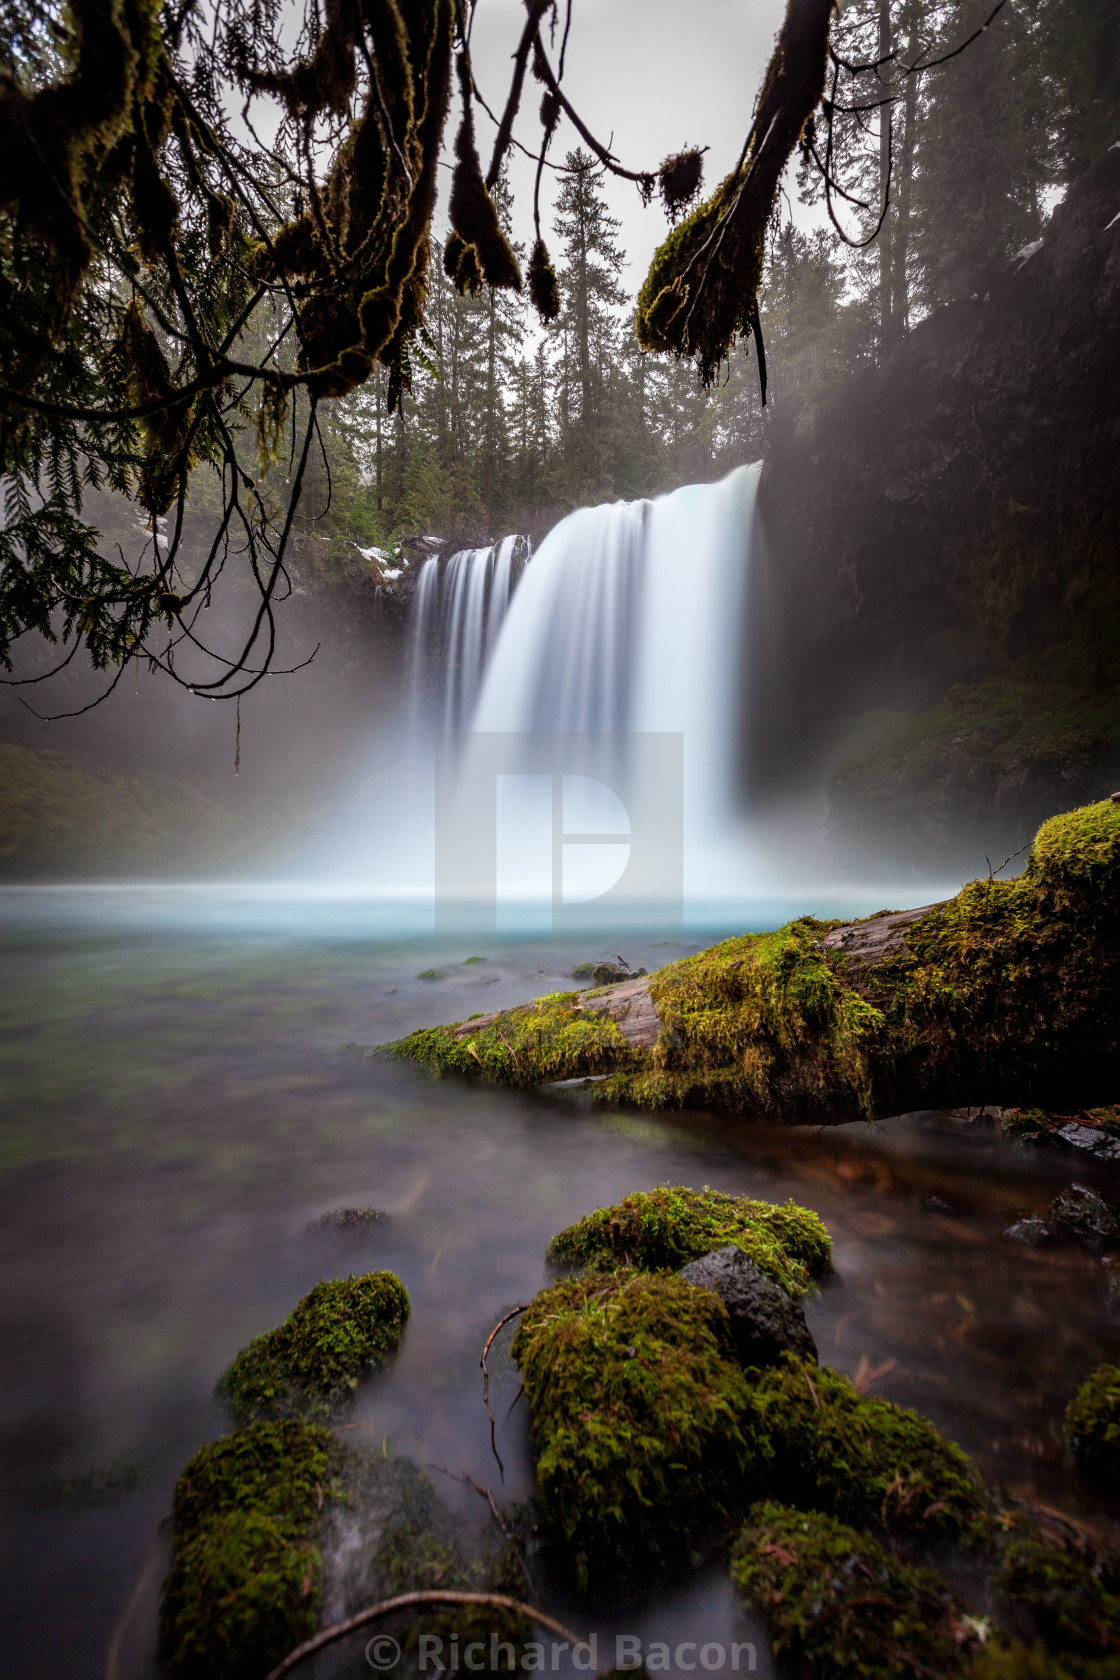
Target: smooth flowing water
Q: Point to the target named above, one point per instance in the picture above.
(179, 1109)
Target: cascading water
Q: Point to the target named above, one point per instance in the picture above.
(626, 628)
(458, 610)
(629, 621)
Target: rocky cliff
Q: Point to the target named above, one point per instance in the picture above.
(953, 518)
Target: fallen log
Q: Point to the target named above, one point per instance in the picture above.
(1006, 994)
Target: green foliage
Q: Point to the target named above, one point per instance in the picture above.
(59, 817)
(636, 1404)
(950, 762)
(1092, 1424)
(313, 1362)
(1004, 1660)
(663, 1229)
(819, 1445)
(558, 1036)
(243, 1586)
(837, 1604)
(1073, 1599)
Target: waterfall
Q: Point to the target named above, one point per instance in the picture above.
(630, 620)
(458, 609)
(569, 738)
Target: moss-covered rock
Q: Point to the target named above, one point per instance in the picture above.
(1012, 1660)
(244, 1581)
(837, 1604)
(1072, 1598)
(636, 1405)
(817, 1444)
(1008, 993)
(1092, 1424)
(663, 1229)
(309, 1365)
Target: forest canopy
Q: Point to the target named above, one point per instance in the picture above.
(218, 265)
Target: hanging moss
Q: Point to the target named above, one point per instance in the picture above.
(817, 1444)
(544, 288)
(1072, 1599)
(636, 1404)
(1092, 1424)
(313, 1362)
(663, 1229)
(837, 1604)
(244, 1581)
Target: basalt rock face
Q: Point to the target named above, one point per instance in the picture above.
(953, 517)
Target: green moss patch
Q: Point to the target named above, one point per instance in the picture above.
(837, 1604)
(244, 1581)
(1008, 993)
(1072, 1599)
(555, 1037)
(818, 1444)
(1092, 1424)
(636, 1404)
(663, 1229)
(1012, 1660)
(312, 1363)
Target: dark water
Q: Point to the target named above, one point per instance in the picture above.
(177, 1109)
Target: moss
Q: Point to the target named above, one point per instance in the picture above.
(1009, 992)
(1073, 1599)
(432, 974)
(663, 1229)
(943, 777)
(837, 1604)
(1092, 1424)
(636, 1404)
(313, 1361)
(243, 1586)
(818, 1444)
(389, 1533)
(555, 1037)
(1011, 1660)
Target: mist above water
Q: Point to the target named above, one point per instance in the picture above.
(628, 625)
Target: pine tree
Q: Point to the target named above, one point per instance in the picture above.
(588, 326)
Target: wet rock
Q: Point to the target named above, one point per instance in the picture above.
(934, 1204)
(1083, 1213)
(1031, 1230)
(765, 1320)
(609, 973)
(1091, 1138)
(348, 1219)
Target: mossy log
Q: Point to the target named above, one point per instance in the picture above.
(1008, 994)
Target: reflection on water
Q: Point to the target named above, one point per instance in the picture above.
(178, 1110)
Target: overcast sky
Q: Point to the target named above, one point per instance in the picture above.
(648, 77)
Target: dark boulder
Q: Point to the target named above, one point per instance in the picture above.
(765, 1320)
